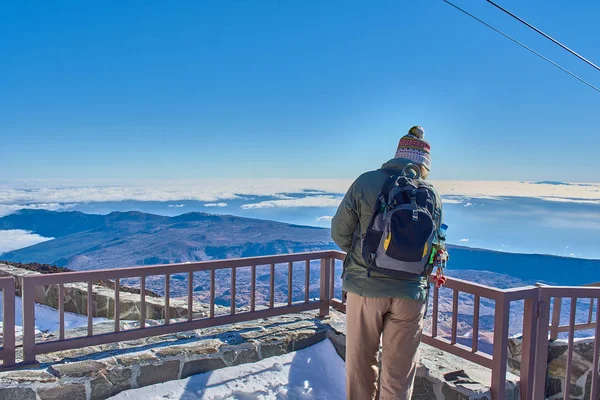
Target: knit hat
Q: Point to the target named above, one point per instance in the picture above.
(414, 148)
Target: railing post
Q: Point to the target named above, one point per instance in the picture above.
(541, 353)
(528, 347)
(499, 361)
(28, 322)
(325, 271)
(8, 312)
(556, 318)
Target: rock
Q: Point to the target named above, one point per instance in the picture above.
(586, 349)
(423, 389)
(339, 342)
(587, 390)
(553, 386)
(62, 392)
(26, 376)
(17, 393)
(240, 355)
(556, 349)
(78, 369)
(109, 383)
(153, 374)
(200, 366)
(307, 338)
(210, 346)
(140, 358)
(274, 347)
(451, 392)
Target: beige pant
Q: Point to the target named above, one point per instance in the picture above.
(400, 321)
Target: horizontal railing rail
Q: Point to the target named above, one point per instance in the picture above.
(7, 351)
(31, 348)
(556, 326)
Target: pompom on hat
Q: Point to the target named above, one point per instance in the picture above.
(415, 148)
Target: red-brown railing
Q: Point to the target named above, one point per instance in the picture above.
(536, 313)
(7, 351)
(534, 348)
(31, 348)
(554, 295)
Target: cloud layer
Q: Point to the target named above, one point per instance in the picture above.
(214, 192)
(308, 201)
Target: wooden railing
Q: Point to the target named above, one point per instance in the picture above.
(31, 348)
(536, 312)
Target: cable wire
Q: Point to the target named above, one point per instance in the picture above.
(524, 46)
(545, 35)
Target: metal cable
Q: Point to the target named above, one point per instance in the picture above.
(544, 34)
(524, 46)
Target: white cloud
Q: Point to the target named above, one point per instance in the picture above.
(205, 190)
(59, 195)
(497, 190)
(570, 200)
(15, 239)
(325, 218)
(176, 205)
(446, 200)
(215, 205)
(464, 240)
(309, 201)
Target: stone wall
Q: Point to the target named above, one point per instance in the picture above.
(581, 372)
(103, 299)
(98, 372)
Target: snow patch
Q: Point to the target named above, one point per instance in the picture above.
(46, 318)
(313, 373)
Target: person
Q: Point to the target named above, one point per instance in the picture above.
(381, 309)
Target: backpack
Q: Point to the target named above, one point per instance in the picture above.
(404, 226)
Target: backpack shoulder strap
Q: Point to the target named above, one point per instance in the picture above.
(393, 175)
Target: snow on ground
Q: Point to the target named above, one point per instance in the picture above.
(313, 373)
(46, 318)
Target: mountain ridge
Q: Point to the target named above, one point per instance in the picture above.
(125, 239)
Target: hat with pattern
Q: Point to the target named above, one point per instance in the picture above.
(414, 148)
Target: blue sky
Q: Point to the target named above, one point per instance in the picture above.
(299, 89)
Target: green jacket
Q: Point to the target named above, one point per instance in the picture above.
(350, 224)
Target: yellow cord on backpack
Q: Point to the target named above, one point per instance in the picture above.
(387, 241)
